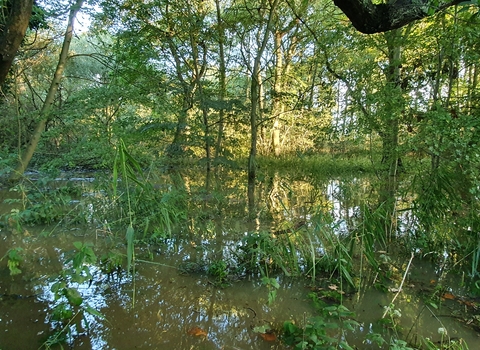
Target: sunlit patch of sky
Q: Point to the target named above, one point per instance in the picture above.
(82, 23)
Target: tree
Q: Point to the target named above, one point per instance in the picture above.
(48, 103)
(370, 18)
(255, 103)
(13, 25)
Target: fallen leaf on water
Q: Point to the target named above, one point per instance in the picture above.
(197, 332)
(469, 303)
(268, 336)
(449, 296)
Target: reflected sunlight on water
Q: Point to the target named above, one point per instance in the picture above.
(172, 303)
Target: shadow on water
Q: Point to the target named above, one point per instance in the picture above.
(175, 299)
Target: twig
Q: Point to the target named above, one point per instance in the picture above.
(399, 288)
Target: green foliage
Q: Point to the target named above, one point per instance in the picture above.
(81, 260)
(130, 246)
(70, 308)
(219, 270)
(393, 320)
(145, 206)
(397, 344)
(272, 285)
(320, 165)
(264, 251)
(447, 344)
(447, 190)
(111, 261)
(337, 257)
(324, 331)
(44, 201)
(14, 259)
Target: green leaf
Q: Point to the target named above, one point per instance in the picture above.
(73, 296)
(129, 236)
(272, 295)
(344, 345)
(261, 329)
(93, 312)
(274, 283)
(13, 267)
(115, 175)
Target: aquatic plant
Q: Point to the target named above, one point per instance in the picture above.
(43, 201)
(218, 269)
(325, 330)
(272, 286)
(14, 259)
(68, 315)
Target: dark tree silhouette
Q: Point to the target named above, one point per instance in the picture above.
(371, 18)
(13, 25)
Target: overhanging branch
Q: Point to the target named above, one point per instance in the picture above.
(371, 18)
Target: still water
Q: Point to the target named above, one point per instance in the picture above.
(163, 305)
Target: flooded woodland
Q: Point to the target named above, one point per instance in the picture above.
(311, 266)
(269, 174)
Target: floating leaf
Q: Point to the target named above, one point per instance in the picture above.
(332, 287)
(448, 296)
(268, 336)
(197, 332)
(469, 303)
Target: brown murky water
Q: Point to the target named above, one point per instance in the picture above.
(163, 313)
(163, 308)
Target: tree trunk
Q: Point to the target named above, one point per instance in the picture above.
(47, 105)
(255, 99)
(278, 107)
(177, 146)
(17, 14)
(389, 135)
(222, 79)
(199, 70)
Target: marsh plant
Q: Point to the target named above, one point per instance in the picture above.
(43, 201)
(14, 257)
(138, 203)
(325, 330)
(69, 312)
(219, 270)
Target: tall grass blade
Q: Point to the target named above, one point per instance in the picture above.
(130, 257)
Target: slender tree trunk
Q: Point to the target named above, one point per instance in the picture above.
(278, 107)
(222, 79)
(254, 110)
(17, 16)
(472, 94)
(47, 105)
(188, 87)
(393, 108)
(435, 157)
(199, 71)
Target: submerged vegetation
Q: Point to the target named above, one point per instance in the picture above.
(266, 143)
(330, 233)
